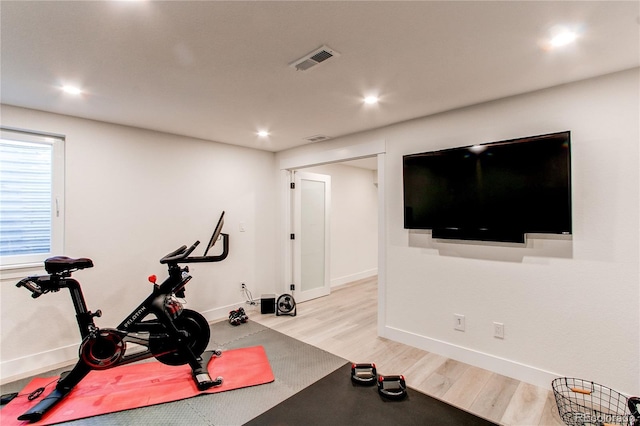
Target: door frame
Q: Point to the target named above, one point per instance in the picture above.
(336, 155)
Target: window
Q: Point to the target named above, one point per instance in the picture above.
(31, 197)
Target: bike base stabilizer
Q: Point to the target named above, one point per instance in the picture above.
(201, 375)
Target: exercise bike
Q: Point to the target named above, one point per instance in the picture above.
(170, 333)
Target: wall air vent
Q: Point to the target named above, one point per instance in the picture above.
(317, 138)
(314, 58)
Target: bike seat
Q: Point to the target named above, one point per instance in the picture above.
(59, 264)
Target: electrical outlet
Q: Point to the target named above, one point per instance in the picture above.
(242, 286)
(458, 322)
(498, 330)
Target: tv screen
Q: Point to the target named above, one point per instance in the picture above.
(496, 191)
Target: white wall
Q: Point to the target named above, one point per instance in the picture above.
(568, 316)
(132, 196)
(574, 314)
(354, 222)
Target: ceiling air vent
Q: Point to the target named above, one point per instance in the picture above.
(317, 138)
(314, 58)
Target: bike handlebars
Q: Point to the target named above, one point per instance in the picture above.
(177, 251)
(181, 255)
(36, 289)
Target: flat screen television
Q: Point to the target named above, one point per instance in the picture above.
(497, 191)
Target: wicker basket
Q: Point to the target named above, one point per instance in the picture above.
(581, 402)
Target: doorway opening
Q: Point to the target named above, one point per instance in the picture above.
(372, 152)
(352, 218)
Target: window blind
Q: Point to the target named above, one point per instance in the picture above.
(26, 200)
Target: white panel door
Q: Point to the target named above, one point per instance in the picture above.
(312, 203)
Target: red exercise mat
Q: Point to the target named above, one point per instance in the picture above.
(141, 385)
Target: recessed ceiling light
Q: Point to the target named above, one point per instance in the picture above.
(563, 38)
(560, 35)
(370, 100)
(263, 133)
(72, 90)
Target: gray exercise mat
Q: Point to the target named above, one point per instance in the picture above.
(295, 366)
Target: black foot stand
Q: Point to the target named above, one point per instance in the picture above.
(70, 379)
(66, 383)
(201, 374)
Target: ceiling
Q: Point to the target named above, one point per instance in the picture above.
(221, 71)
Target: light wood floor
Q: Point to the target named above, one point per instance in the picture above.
(345, 324)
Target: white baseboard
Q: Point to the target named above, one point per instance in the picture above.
(42, 362)
(336, 282)
(31, 365)
(216, 314)
(509, 368)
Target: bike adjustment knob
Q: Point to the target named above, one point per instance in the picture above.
(97, 313)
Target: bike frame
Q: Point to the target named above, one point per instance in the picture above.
(135, 328)
(135, 324)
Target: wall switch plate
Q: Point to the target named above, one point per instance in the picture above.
(498, 330)
(458, 322)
